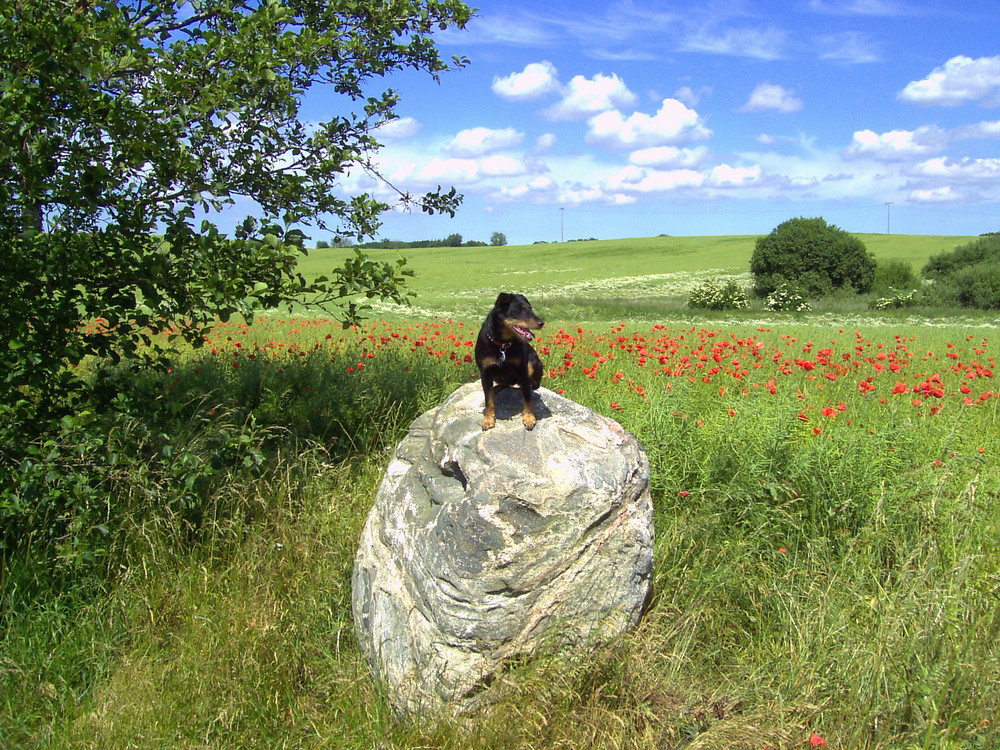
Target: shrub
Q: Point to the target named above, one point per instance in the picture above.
(815, 256)
(893, 275)
(985, 249)
(968, 276)
(979, 286)
(895, 301)
(787, 298)
(714, 295)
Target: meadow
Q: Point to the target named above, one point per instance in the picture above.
(827, 505)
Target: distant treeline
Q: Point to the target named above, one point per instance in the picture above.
(452, 240)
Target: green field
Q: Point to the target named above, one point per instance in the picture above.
(827, 506)
(651, 272)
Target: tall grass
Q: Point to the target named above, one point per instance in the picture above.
(818, 570)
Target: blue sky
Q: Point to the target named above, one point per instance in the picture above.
(638, 118)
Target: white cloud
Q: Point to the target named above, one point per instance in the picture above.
(495, 28)
(545, 142)
(961, 79)
(578, 194)
(959, 169)
(542, 188)
(687, 95)
(897, 145)
(668, 156)
(673, 123)
(401, 127)
(634, 179)
(760, 44)
(449, 171)
(979, 130)
(463, 172)
(850, 48)
(584, 97)
(537, 79)
(479, 141)
(945, 194)
(770, 96)
(500, 165)
(724, 175)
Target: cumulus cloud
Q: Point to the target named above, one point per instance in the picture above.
(536, 80)
(965, 169)
(725, 175)
(465, 171)
(945, 194)
(673, 123)
(499, 165)
(961, 79)
(538, 187)
(479, 141)
(584, 97)
(401, 127)
(897, 145)
(449, 170)
(772, 97)
(637, 180)
(546, 190)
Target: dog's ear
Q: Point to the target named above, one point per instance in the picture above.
(504, 299)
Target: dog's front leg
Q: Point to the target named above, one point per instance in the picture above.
(528, 418)
(490, 415)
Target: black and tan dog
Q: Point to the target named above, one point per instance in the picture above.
(505, 357)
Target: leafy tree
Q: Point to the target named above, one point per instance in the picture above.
(125, 125)
(498, 239)
(985, 249)
(968, 276)
(452, 240)
(814, 256)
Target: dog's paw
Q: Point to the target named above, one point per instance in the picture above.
(529, 420)
(489, 423)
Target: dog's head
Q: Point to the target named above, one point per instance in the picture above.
(517, 315)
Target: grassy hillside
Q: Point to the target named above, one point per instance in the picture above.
(826, 491)
(453, 281)
(826, 570)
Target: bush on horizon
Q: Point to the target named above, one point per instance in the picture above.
(968, 276)
(812, 255)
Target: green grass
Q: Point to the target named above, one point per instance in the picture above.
(825, 556)
(642, 275)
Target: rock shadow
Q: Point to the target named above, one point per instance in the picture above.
(509, 404)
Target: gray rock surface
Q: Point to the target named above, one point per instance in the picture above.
(482, 546)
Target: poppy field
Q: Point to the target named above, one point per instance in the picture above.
(826, 566)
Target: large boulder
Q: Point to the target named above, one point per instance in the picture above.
(482, 546)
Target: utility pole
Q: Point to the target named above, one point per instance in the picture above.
(562, 213)
(888, 217)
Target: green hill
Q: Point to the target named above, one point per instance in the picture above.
(454, 281)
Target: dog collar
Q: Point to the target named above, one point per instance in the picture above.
(503, 347)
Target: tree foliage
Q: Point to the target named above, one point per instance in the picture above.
(813, 256)
(125, 125)
(968, 276)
